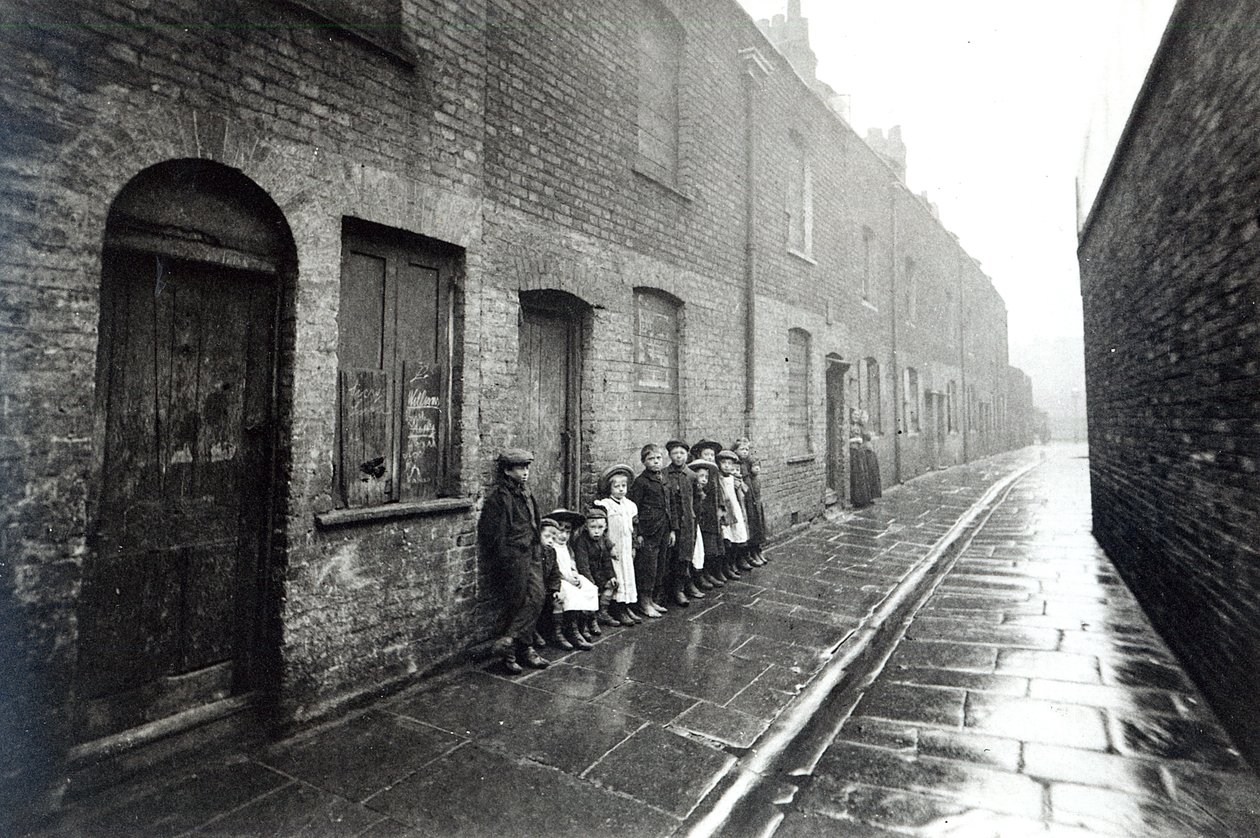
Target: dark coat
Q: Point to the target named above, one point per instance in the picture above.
(509, 521)
(682, 492)
(594, 559)
(657, 515)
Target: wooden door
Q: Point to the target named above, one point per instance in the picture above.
(929, 430)
(548, 409)
(837, 429)
(166, 613)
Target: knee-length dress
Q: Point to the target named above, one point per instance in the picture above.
(621, 515)
(583, 596)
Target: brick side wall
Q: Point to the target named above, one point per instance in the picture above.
(1172, 348)
(511, 135)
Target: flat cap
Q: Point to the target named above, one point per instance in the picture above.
(725, 454)
(515, 457)
(596, 512)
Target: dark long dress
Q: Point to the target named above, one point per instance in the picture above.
(859, 476)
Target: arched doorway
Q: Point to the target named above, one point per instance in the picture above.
(170, 612)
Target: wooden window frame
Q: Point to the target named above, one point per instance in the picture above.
(411, 412)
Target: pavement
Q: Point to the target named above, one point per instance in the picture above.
(958, 659)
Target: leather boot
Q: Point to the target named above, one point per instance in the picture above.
(509, 660)
(592, 624)
(627, 615)
(573, 635)
(711, 576)
(606, 618)
(532, 659)
(742, 562)
(732, 568)
(557, 638)
(691, 585)
(539, 640)
(582, 623)
(701, 579)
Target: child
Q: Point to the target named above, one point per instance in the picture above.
(749, 469)
(577, 595)
(708, 530)
(593, 553)
(658, 527)
(735, 529)
(508, 535)
(682, 491)
(622, 520)
(711, 519)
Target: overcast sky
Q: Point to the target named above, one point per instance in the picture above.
(994, 98)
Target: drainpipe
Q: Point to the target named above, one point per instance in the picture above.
(892, 309)
(755, 68)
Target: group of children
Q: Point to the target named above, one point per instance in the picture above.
(690, 521)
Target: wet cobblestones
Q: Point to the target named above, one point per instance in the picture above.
(1028, 696)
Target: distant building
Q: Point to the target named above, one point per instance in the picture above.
(281, 280)
(1170, 274)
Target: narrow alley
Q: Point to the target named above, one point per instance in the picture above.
(1016, 691)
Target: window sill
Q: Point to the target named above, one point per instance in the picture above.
(804, 257)
(797, 459)
(412, 509)
(870, 305)
(667, 186)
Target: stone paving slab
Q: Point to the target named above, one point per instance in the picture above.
(626, 738)
(1030, 696)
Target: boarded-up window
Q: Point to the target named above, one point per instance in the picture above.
(798, 391)
(874, 413)
(800, 198)
(394, 366)
(912, 291)
(660, 56)
(656, 346)
(910, 400)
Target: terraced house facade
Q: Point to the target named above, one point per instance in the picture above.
(282, 278)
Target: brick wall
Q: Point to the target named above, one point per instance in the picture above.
(1172, 345)
(506, 129)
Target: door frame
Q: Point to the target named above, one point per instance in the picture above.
(572, 311)
(835, 383)
(256, 651)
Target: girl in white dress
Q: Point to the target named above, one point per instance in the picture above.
(735, 525)
(622, 513)
(577, 594)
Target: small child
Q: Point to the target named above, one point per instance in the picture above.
(577, 594)
(712, 517)
(735, 529)
(749, 471)
(658, 527)
(593, 553)
(623, 516)
(708, 530)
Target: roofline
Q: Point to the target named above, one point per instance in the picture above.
(1136, 113)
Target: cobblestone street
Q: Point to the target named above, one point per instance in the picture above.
(1030, 696)
(1027, 694)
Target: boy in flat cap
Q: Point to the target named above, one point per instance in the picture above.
(508, 539)
(658, 527)
(682, 492)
